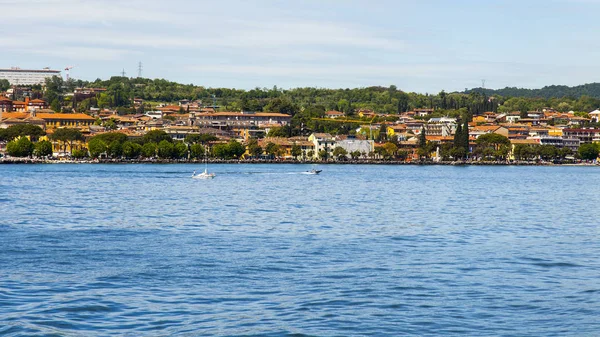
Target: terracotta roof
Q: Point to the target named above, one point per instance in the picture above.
(169, 108)
(78, 116)
(17, 115)
(37, 101)
(233, 114)
(491, 128)
(524, 141)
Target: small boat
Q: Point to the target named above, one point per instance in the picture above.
(313, 171)
(203, 175)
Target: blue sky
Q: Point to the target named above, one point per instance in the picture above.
(422, 46)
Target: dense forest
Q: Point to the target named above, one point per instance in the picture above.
(385, 100)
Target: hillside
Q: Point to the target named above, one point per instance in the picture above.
(552, 91)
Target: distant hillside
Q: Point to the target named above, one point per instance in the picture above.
(553, 91)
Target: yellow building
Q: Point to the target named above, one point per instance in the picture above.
(396, 130)
(66, 120)
(555, 132)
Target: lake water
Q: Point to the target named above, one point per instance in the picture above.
(144, 250)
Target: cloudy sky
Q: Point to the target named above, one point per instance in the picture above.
(418, 45)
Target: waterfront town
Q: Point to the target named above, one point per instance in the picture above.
(185, 129)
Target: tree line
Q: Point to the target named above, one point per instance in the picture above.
(385, 100)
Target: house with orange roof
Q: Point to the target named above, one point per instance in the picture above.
(334, 114)
(37, 104)
(485, 129)
(6, 104)
(396, 129)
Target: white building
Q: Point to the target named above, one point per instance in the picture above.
(595, 115)
(443, 126)
(353, 144)
(18, 76)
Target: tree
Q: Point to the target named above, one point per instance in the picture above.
(67, 136)
(588, 151)
(149, 150)
(390, 149)
(202, 138)
(4, 84)
(97, 147)
(21, 130)
(196, 151)
(564, 152)
(382, 135)
(548, 152)
(235, 149)
(110, 124)
(21, 147)
(296, 151)
(281, 105)
(465, 136)
(310, 154)
(80, 153)
(55, 105)
(253, 148)
(166, 149)
(156, 136)
(43, 149)
(220, 151)
(131, 149)
(422, 138)
(272, 149)
(115, 149)
(423, 151)
(180, 151)
(355, 154)
(340, 153)
(459, 151)
(492, 139)
(54, 90)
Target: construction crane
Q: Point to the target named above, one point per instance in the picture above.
(67, 70)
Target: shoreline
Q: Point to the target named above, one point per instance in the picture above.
(8, 161)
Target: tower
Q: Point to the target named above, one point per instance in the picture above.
(139, 69)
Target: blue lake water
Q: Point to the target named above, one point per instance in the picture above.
(144, 250)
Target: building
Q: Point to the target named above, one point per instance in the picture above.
(595, 116)
(223, 120)
(322, 142)
(334, 114)
(352, 144)
(18, 76)
(584, 135)
(66, 120)
(442, 126)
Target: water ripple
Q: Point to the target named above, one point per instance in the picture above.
(142, 250)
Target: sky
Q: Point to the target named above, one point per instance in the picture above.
(418, 45)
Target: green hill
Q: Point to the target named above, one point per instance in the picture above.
(552, 91)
